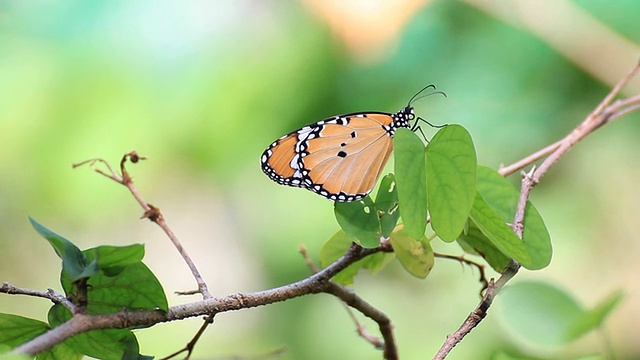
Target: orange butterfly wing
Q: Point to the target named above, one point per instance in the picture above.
(339, 158)
(280, 162)
(348, 158)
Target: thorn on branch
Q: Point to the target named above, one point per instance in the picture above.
(530, 177)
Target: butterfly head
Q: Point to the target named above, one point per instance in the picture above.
(408, 113)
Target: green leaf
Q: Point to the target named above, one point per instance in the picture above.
(502, 197)
(414, 255)
(332, 250)
(16, 330)
(74, 262)
(483, 247)
(113, 259)
(60, 352)
(497, 231)
(337, 246)
(547, 316)
(539, 313)
(134, 288)
(360, 221)
(387, 205)
(411, 181)
(451, 180)
(592, 319)
(376, 262)
(537, 239)
(108, 344)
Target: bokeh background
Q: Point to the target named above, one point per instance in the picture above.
(202, 87)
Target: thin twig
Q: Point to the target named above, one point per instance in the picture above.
(187, 292)
(307, 260)
(350, 298)
(150, 212)
(208, 320)
(510, 169)
(360, 328)
(477, 315)
(113, 175)
(463, 260)
(601, 115)
(50, 294)
(604, 113)
(387, 343)
(598, 117)
(623, 112)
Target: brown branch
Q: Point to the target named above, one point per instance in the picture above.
(50, 294)
(520, 164)
(80, 323)
(463, 260)
(150, 212)
(478, 313)
(351, 300)
(192, 343)
(604, 113)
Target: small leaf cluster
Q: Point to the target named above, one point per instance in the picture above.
(97, 281)
(438, 191)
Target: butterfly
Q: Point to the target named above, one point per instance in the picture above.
(341, 157)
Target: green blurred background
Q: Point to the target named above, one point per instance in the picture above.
(202, 87)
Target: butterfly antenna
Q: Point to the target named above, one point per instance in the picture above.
(419, 95)
(430, 86)
(429, 94)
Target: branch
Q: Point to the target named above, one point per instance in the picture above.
(604, 113)
(192, 343)
(150, 212)
(351, 299)
(463, 260)
(50, 294)
(478, 314)
(384, 323)
(80, 323)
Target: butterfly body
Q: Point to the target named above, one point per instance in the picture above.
(339, 158)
